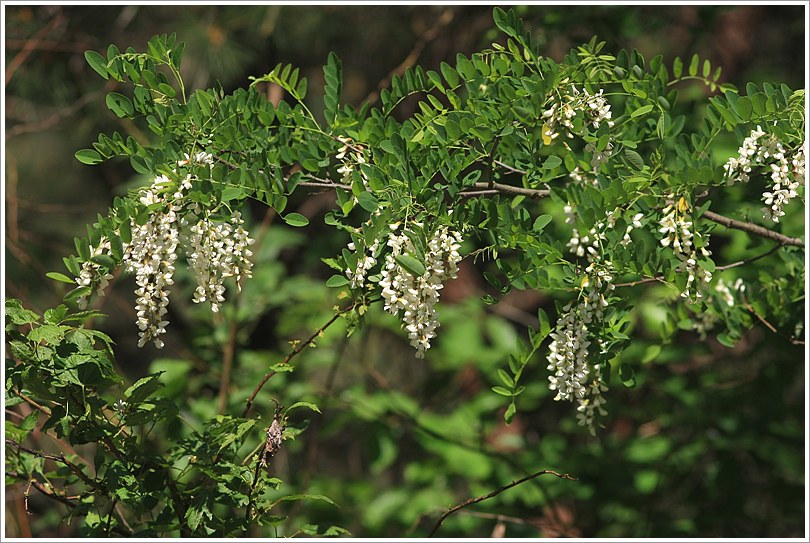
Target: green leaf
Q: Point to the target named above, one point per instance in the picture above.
(143, 388)
(97, 62)
(505, 378)
(103, 260)
(337, 281)
(677, 67)
(304, 404)
(296, 219)
(502, 391)
(627, 375)
(88, 156)
(693, 66)
(368, 201)
(206, 101)
(120, 105)
(724, 339)
(744, 107)
(552, 162)
(306, 497)
(510, 414)
(60, 277)
(643, 110)
(450, 74)
(651, 353)
(453, 129)
(167, 89)
(411, 265)
(541, 222)
(634, 158)
(176, 55)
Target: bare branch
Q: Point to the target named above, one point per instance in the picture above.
(495, 493)
(299, 348)
(781, 239)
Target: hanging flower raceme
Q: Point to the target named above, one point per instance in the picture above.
(573, 377)
(416, 296)
(762, 149)
(215, 251)
(678, 234)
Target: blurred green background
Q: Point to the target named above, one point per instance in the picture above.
(711, 443)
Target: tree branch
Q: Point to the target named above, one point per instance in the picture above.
(495, 493)
(781, 239)
(298, 349)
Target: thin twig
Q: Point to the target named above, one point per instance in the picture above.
(420, 44)
(793, 340)
(717, 269)
(61, 458)
(298, 349)
(495, 493)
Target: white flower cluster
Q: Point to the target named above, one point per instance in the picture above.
(151, 256)
(589, 406)
(91, 276)
(573, 378)
(678, 233)
(785, 185)
(760, 149)
(725, 290)
(417, 296)
(705, 320)
(583, 177)
(352, 157)
(596, 111)
(364, 263)
(568, 352)
(590, 242)
(595, 108)
(599, 157)
(216, 251)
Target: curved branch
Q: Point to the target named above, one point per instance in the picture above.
(495, 493)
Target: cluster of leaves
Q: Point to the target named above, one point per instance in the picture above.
(66, 372)
(477, 158)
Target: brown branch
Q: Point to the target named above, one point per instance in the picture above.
(53, 119)
(509, 189)
(32, 402)
(39, 486)
(298, 349)
(30, 45)
(61, 458)
(792, 339)
(717, 269)
(420, 44)
(495, 493)
(781, 239)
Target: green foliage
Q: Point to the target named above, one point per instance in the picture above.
(512, 152)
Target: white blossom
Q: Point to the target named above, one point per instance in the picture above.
(217, 251)
(761, 149)
(417, 296)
